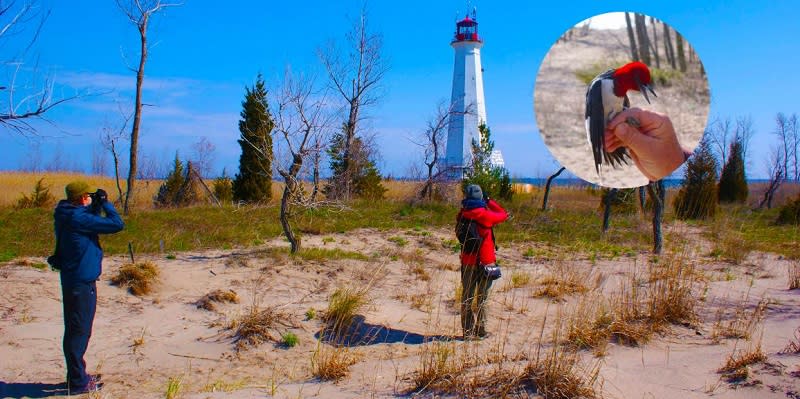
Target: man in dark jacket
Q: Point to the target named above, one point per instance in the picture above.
(79, 258)
(474, 281)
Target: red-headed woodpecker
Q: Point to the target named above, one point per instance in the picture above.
(606, 97)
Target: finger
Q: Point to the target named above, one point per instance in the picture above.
(623, 116)
(633, 138)
(612, 142)
(640, 166)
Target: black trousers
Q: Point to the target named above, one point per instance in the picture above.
(80, 302)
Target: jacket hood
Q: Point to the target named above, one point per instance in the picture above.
(65, 210)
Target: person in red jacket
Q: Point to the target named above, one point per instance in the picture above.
(474, 280)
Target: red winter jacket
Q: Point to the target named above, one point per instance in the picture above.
(486, 217)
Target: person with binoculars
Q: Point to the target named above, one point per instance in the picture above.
(78, 257)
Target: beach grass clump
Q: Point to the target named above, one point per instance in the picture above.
(794, 275)
(741, 323)
(140, 278)
(793, 347)
(438, 366)
(561, 282)
(209, 301)
(173, 387)
(343, 305)
(736, 365)
(258, 326)
(332, 363)
(289, 339)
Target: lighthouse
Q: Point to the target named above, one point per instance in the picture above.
(467, 106)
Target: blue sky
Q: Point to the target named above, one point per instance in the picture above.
(203, 55)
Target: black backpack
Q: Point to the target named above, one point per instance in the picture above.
(468, 237)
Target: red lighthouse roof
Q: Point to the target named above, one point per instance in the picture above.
(467, 30)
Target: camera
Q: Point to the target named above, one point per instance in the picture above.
(98, 197)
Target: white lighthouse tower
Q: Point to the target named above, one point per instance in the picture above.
(467, 106)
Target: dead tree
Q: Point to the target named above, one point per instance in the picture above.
(668, 49)
(631, 37)
(547, 187)
(110, 137)
(776, 177)
(654, 44)
(23, 101)
(433, 144)
(355, 75)
(138, 13)
(301, 118)
(641, 35)
(681, 51)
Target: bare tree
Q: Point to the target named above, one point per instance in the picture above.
(744, 133)
(641, 35)
(23, 100)
(433, 143)
(654, 44)
(299, 119)
(547, 187)
(355, 75)
(203, 151)
(631, 37)
(138, 13)
(777, 174)
(786, 130)
(719, 135)
(99, 160)
(668, 49)
(32, 162)
(681, 51)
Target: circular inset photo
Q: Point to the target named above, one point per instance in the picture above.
(621, 99)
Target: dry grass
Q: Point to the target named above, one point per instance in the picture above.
(562, 281)
(208, 301)
(419, 271)
(258, 326)
(793, 347)
(331, 363)
(742, 323)
(735, 368)
(438, 366)
(794, 275)
(140, 278)
(343, 305)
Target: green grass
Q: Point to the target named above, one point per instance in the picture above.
(289, 339)
(571, 224)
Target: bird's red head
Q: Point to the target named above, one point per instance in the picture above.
(630, 76)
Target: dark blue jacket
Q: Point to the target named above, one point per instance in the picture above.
(79, 252)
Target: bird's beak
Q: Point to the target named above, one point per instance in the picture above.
(644, 88)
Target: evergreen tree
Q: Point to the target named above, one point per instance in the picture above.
(168, 192)
(363, 177)
(494, 180)
(732, 182)
(697, 198)
(253, 183)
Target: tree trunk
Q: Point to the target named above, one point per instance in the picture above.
(547, 187)
(654, 47)
(641, 35)
(656, 191)
(607, 208)
(668, 50)
(681, 52)
(287, 227)
(137, 115)
(631, 39)
(116, 170)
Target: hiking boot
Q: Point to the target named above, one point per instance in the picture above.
(94, 385)
(483, 335)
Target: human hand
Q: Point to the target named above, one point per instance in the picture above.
(653, 145)
(101, 195)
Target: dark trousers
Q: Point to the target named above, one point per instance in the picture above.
(474, 285)
(80, 301)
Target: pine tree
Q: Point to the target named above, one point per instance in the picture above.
(697, 198)
(253, 183)
(363, 175)
(732, 181)
(168, 192)
(494, 180)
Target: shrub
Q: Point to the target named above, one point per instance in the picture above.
(697, 198)
(790, 213)
(289, 339)
(494, 180)
(40, 197)
(139, 277)
(732, 183)
(223, 188)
